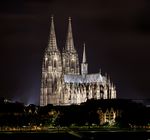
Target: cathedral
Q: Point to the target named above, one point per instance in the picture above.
(64, 81)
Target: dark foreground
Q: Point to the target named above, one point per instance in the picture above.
(91, 135)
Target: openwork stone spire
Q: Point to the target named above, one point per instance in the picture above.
(52, 40)
(69, 41)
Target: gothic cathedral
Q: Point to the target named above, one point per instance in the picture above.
(62, 81)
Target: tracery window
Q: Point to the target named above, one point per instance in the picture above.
(72, 64)
(54, 63)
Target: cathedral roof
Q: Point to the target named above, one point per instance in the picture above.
(89, 78)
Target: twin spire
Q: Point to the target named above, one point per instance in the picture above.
(69, 42)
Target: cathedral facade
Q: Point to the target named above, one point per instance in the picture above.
(64, 80)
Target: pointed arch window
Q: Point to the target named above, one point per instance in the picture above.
(54, 63)
(72, 65)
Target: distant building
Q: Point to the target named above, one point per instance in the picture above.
(107, 116)
(62, 81)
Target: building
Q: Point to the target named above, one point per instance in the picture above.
(108, 116)
(62, 81)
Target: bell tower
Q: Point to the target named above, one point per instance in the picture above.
(69, 55)
(51, 71)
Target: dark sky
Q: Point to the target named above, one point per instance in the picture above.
(116, 33)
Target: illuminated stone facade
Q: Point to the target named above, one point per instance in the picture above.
(62, 83)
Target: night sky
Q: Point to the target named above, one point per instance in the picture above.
(116, 34)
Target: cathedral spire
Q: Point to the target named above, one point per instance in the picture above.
(70, 55)
(84, 55)
(52, 40)
(84, 65)
(69, 41)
